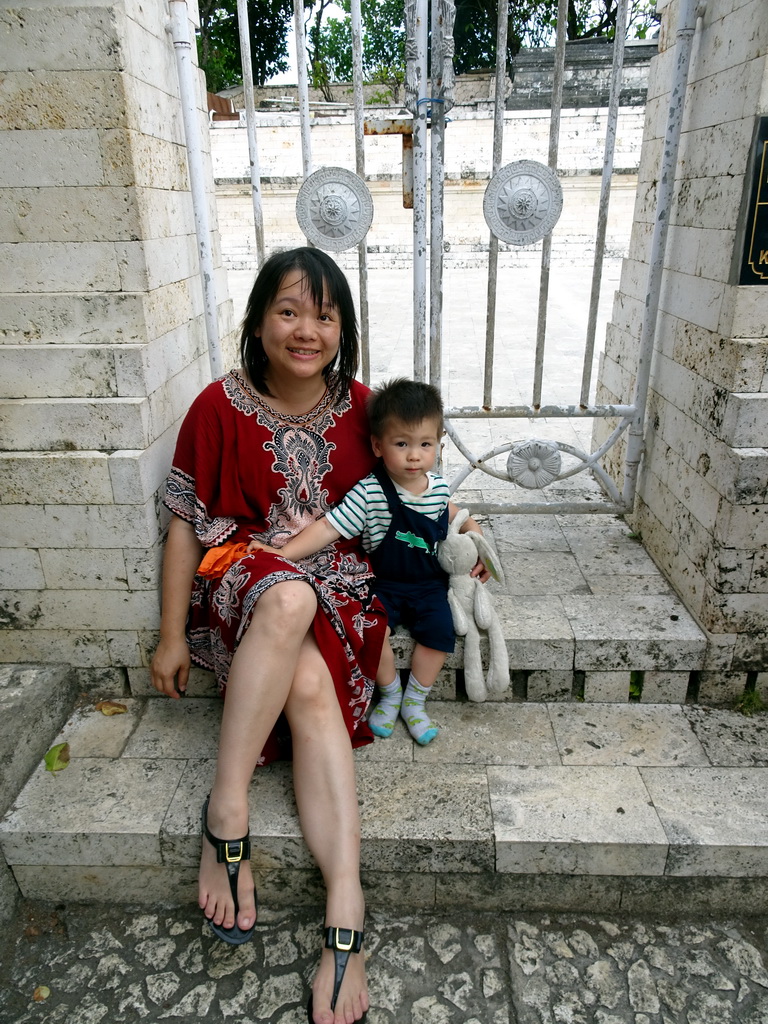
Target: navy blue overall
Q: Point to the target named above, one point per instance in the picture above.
(409, 581)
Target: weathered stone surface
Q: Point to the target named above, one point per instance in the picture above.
(20, 568)
(719, 688)
(665, 687)
(52, 424)
(606, 686)
(176, 730)
(82, 649)
(488, 734)
(443, 820)
(629, 734)
(729, 738)
(114, 812)
(34, 702)
(549, 686)
(91, 733)
(652, 632)
(714, 818)
(575, 821)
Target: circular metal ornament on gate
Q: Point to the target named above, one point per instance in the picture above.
(533, 463)
(523, 202)
(334, 208)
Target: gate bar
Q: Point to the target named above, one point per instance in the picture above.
(546, 247)
(436, 115)
(179, 30)
(493, 245)
(362, 246)
(605, 195)
(301, 68)
(441, 100)
(250, 124)
(416, 12)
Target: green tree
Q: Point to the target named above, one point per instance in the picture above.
(534, 23)
(218, 42)
(330, 45)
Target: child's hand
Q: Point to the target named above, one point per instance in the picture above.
(480, 572)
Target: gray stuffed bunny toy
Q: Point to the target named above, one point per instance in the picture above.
(472, 608)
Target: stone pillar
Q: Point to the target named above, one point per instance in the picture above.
(102, 333)
(701, 506)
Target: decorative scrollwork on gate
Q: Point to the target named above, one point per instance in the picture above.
(523, 202)
(334, 208)
(536, 464)
(533, 463)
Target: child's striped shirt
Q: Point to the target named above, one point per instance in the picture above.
(363, 512)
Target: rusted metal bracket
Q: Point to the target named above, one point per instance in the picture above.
(397, 126)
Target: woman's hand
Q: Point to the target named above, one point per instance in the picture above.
(171, 662)
(170, 667)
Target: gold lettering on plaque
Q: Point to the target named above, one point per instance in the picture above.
(761, 210)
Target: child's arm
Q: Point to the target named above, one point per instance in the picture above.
(479, 569)
(313, 538)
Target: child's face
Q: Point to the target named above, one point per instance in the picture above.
(408, 451)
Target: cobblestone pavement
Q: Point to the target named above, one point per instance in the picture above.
(113, 965)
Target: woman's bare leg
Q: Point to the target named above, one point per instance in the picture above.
(260, 680)
(326, 795)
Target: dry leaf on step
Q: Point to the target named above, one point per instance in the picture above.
(111, 707)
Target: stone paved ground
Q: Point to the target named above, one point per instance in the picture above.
(107, 966)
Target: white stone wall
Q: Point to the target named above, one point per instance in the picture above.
(468, 144)
(702, 505)
(102, 338)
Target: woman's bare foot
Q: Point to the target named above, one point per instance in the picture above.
(345, 911)
(214, 893)
(353, 995)
(352, 1001)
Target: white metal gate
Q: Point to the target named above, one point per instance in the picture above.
(521, 205)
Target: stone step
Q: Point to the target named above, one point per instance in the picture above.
(569, 806)
(34, 704)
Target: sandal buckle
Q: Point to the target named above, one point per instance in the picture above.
(344, 947)
(230, 856)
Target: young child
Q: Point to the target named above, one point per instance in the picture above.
(400, 511)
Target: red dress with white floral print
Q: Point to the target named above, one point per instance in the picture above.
(243, 470)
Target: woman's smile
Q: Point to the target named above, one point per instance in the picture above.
(297, 335)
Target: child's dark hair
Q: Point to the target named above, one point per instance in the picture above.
(408, 401)
(324, 279)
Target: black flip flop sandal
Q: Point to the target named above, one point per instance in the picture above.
(343, 942)
(230, 852)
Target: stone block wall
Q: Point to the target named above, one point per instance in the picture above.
(702, 505)
(102, 335)
(468, 144)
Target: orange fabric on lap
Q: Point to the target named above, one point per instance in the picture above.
(217, 560)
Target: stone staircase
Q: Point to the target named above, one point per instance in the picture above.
(601, 781)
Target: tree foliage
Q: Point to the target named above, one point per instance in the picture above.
(533, 23)
(330, 45)
(218, 44)
(329, 39)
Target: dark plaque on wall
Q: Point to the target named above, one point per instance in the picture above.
(754, 260)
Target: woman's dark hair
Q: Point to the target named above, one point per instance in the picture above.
(324, 279)
(408, 401)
